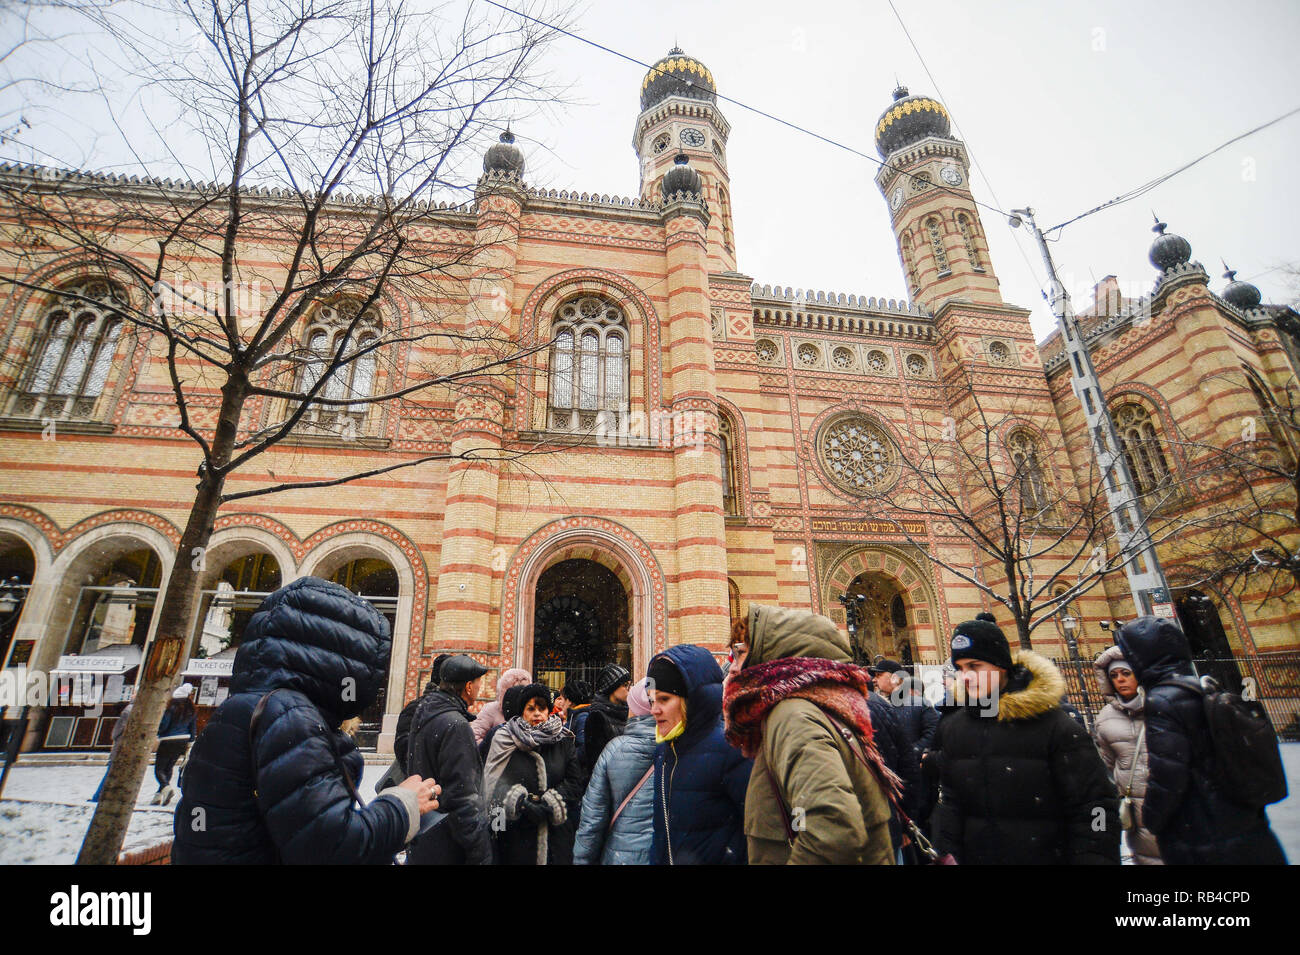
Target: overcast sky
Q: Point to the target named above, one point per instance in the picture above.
(1061, 107)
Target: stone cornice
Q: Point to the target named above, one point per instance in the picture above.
(932, 147)
(696, 109)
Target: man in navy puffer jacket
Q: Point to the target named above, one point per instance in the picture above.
(324, 651)
(700, 779)
(1185, 805)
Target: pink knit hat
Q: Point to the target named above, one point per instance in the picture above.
(638, 700)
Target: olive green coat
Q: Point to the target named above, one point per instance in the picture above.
(838, 811)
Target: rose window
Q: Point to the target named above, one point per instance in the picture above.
(999, 353)
(858, 455)
(842, 357)
(877, 360)
(808, 354)
(915, 365)
(766, 350)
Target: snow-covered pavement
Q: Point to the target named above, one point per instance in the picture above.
(44, 813)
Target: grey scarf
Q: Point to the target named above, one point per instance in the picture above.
(517, 735)
(1132, 706)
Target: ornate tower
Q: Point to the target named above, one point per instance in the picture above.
(926, 182)
(680, 115)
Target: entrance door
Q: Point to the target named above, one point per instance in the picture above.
(1211, 651)
(581, 622)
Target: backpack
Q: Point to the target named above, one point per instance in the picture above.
(1245, 747)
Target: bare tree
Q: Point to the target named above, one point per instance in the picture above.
(995, 489)
(329, 130)
(1250, 539)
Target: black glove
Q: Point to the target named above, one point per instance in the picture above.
(536, 811)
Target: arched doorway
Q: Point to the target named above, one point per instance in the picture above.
(17, 568)
(883, 627)
(236, 579)
(376, 580)
(581, 622)
(1211, 650)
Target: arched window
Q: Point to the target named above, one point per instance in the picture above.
(352, 376)
(730, 486)
(77, 337)
(1028, 472)
(589, 366)
(968, 240)
(936, 244)
(725, 202)
(1272, 418)
(905, 244)
(1141, 445)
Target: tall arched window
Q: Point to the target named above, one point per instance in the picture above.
(1028, 472)
(77, 337)
(725, 202)
(1141, 445)
(730, 484)
(936, 244)
(905, 244)
(968, 240)
(589, 366)
(353, 376)
(1272, 418)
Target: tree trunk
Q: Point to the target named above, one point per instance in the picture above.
(103, 842)
(1022, 631)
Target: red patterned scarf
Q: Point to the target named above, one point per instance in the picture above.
(838, 689)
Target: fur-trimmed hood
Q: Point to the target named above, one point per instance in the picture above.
(1034, 686)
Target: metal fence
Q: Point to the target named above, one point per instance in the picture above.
(1272, 679)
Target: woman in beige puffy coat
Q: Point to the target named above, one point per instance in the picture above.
(1120, 732)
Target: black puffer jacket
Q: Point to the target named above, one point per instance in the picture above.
(325, 651)
(606, 721)
(1024, 787)
(517, 834)
(918, 721)
(442, 747)
(1194, 821)
(402, 734)
(893, 749)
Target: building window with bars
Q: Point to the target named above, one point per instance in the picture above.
(589, 367)
(968, 240)
(730, 484)
(1028, 473)
(76, 340)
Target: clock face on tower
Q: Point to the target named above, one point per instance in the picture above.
(691, 136)
(951, 175)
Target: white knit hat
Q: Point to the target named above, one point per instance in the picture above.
(183, 692)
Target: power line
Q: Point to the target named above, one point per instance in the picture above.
(753, 109)
(1147, 187)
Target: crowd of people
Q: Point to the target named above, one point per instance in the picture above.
(792, 755)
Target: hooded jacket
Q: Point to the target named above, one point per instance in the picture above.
(618, 769)
(285, 800)
(845, 812)
(1024, 786)
(605, 721)
(700, 779)
(1193, 819)
(1122, 741)
(490, 715)
(442, 747)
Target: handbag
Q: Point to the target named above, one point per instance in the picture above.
(1127, 810)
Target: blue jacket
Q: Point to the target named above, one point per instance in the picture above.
(700, 779)
(171, 725)
(619, 767)
(325, 650)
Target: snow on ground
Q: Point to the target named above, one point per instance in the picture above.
(44, 812)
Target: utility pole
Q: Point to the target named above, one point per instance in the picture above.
(1146, 579)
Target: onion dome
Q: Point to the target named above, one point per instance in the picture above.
(677, 75)
(682, 178)
(1241, 294)
(908, 120)
(505, 156)
(1168, 250)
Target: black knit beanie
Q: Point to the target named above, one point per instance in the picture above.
(510, 704)
(981, 639)
(666, 677)
(577, 692)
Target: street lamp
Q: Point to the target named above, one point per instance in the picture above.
(851, 603)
